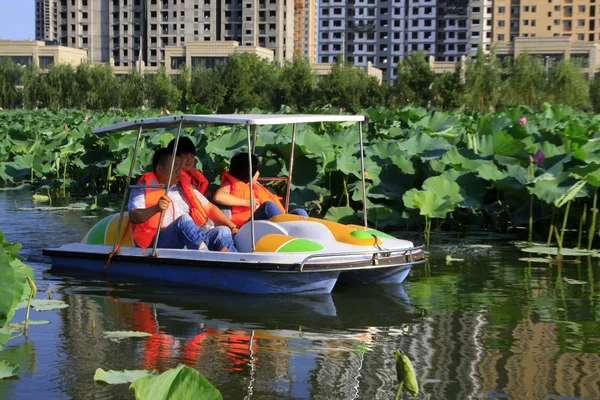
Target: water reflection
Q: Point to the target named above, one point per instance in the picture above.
(488, 327)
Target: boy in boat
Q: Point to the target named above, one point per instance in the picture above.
(186, 151)
(235, 193)
(189, 218)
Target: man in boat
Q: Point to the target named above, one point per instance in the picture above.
(189, 219)
(186, 151)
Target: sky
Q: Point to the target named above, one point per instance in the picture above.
(17, 19)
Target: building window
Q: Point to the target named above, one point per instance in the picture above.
(580, 22)
(581, 8)
(501, 10)
(45, 61)
(501, 37)
(501, 23)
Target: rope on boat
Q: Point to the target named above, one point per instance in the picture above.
(117, 247)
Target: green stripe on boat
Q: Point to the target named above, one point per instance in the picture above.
(300, 245)
(96, 234)
(368, 234)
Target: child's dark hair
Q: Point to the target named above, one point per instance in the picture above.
(160, 157)
(238, 167)
(185, 146)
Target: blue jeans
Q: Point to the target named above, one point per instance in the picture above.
(269, 209)
(184, 232)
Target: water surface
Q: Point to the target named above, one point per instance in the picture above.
(486, 327)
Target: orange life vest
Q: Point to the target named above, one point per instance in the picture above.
(196, 179)
(144, 233)
(241, 214)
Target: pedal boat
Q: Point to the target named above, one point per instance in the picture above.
(287, 254)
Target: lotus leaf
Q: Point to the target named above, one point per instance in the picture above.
(181, 382)
(490, 172)
(554, 251)
(344, 215)
(425, 147)
(443, 188)
(44, 305)
(438, 122)
(116, 377)
(537, 260)
(472, 188)
(589, 152)
(5, 334)
(550, 191)
(117, 336)
(492, 124)
(428, 203)
(8, 369)
(502, 144)
(574, 281)
(464, 159)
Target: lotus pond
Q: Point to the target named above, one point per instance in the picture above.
(477, 324)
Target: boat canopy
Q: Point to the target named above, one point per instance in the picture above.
(188, 121)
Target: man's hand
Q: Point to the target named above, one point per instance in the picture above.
(256, 203)
(163, 203)
(234, 230)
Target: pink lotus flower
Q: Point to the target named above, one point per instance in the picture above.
(85, 118)
(167, 111)
(1, 109)
(161, 112)
(522, 121)
(538, 158)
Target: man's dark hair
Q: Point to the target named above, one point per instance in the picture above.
(238, 168)
(185, 146)
(160, 157)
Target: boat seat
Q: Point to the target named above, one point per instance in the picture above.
(261, 228)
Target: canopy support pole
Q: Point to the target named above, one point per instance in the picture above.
(251, 173)
(362, 173)
(254, 140)
(127, 187)
(162, 212)
(289, 180)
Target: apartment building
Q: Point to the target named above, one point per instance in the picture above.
(305, 35)
(127, 31)
(531, 18)
(383, 32)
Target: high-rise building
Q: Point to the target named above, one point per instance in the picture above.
(531, 18)
(131, 30)
(383, 32)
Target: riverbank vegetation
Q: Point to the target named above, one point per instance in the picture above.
(245, 81)
(519, 168)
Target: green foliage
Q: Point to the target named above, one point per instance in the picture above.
(207, 89)
(132, 90)
(160, 91)
(448, 92)
(117, 377)
(482, 82)
(181, 382)
(525, 83)
(568, 85)
(415, 77)
(349, 88)
(10, 76)
(297, 85)
(246, 79)
(595, 95)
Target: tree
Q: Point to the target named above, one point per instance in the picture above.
(84, 86)
(525, 83)
(61, 85)
(567, 85)
(9, 77)
(595, 95)
(482, 82)
(105, 88)
(183, 84)
(132, 90)
(448, 91)
(248, 81)
(160, 91)
(35, 88)
(349, 87)
(207, 88)
(297, 85)
(415, 77)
